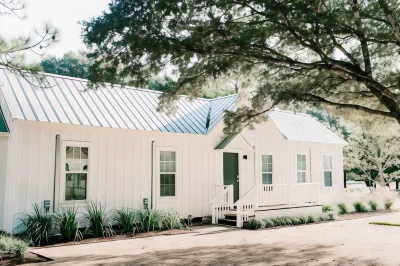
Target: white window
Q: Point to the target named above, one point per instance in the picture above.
(301, 168)
(267, 170)
(76, 172)
(167, 173)
(328, 170)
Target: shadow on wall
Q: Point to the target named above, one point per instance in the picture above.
(275, 254)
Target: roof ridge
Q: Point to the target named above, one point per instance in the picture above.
(289, 112)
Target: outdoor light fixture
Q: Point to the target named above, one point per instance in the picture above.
(245, 157)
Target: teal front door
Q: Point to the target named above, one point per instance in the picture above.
(231, 172)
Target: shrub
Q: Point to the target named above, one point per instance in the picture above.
(373, 205)
(99, 219)
(269, 223)
(342, 209)
(359, 207)
(171, 220)
(326, 208)
(326, 217)
(312, 219)
(37, 226)
(295, 220)
(126, 219)
(254, 224)
(388, 204)
(303, 219)
(150, 220)
(67, 225)
(13, 245)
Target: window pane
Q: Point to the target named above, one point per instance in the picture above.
(75, 188)
(264, 167)
(269, 167)
(167, 185)
(69, 152)
(327, 162)
(267, 179)
(328, 178)
(301, 177)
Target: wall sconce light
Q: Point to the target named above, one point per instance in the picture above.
(244, 157)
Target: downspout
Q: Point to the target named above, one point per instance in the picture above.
(152, 174)
(56, 164)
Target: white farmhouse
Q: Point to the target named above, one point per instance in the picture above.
(66, 145)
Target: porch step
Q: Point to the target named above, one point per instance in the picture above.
(227, 221)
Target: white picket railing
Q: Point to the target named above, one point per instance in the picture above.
(288, 194)
(246, 206)
(222, 204)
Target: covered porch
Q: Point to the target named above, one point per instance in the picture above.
(263, 198)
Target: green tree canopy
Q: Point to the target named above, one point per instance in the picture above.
(341, 53)
(70, 64)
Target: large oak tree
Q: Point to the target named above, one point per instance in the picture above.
(343, 53)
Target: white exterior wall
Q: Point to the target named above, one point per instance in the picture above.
(3, 168)
(267, 139)
(120, 165)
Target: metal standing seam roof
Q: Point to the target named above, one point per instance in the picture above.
(68, 101)
(303, 127)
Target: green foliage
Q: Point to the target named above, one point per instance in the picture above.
(359, 207)
(13, 245)
(388, 204)
(171, 220)
(70, 64)
(384, 223)
(202, 42)
(36, 226)
(342, 209)
(287, 221)
(373, 205)
(151, 220)
(66, 224)
(126, 218)
(254, 224)
(165, 85)
(326, 208)
(330, 121)
(99, 219)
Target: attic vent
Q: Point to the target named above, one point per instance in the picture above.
(208, 118)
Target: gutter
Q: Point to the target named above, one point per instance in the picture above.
(56, 168)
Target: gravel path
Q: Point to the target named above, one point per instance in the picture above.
(349, 242)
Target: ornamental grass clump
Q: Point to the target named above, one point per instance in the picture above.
(150, 220)
(36, 226)
(342, 209)
(254, 224)
(373, 205)
(171, 220)
(388, 204)
(99, 220)
(359, 207)
(126, 219)
(66, 224)
(326, 208)
(11, 245)
(269, 223)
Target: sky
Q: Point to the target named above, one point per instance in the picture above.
(61, 14)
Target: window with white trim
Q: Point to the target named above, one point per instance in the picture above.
(167, 173)
(301, 168)
(327, 170)
(76, 172)
(267, 170)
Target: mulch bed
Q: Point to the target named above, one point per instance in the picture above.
(119, 237)
(8, 259)
(358, 215)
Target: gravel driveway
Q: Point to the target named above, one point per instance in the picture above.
(350, 242)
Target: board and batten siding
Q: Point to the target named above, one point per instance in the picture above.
(267, 139)
(3, 169)
(119, 168)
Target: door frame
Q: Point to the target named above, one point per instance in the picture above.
(240, 157)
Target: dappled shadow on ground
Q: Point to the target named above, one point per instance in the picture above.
(273, 254)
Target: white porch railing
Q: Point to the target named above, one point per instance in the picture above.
(246, 206)
(222, 203)
(278, 194)
(288, 194)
